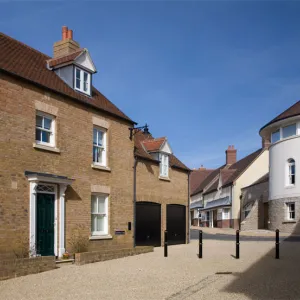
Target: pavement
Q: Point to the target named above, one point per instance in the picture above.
(182, 275)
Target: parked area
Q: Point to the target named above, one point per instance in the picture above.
(182, 275)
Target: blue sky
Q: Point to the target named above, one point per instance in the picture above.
(204, 74)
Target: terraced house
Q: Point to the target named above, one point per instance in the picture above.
(218, 196)
(70, 169)
(161, 192)
(66, 156)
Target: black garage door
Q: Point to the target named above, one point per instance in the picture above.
(176, 225)
(148, 224)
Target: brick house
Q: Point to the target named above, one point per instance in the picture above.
(161, 192)
(219, 194)
(66, 157)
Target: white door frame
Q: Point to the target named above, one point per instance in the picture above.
(34, 181)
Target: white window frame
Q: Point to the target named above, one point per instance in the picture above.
(290, 162)
(226, 215)
(289, 211)
(103, 147)
(88, 82)
(51, 130)
(281, 131)
(105, 214)
(247, 208)
(164, 165)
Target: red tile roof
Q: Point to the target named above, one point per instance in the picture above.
(27, 63)
(197, 177)
(292, 111)
(229, 174)
(140, 151)
(64, 59)
(153, 144)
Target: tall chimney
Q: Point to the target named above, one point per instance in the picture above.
(230, 155)
(202, 168)
(67, 45)
(265, 142)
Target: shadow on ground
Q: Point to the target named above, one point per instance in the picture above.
(271, 278)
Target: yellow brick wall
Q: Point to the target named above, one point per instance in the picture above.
(74, 139)
(152, 189)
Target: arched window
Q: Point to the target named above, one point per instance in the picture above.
(291, 171)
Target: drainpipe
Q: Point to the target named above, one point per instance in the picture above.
(134, 200)
(189, 207)
(240, 223)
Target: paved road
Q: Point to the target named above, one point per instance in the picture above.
(229, 237)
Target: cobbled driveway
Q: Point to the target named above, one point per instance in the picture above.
(256, 275)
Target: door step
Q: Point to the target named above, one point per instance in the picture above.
(64, 262)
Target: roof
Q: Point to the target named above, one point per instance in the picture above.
(197, 176)
(206, 181)
(262, 179)
(153, 144)
(229, 174)
(226, 201)
(140, 151)
(292, 111)
(240, 166)
(64, 59)
(27, 63)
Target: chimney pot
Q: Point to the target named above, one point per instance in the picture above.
(70, 34)
(64, 32)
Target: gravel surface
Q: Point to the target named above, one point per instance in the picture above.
(257, 275)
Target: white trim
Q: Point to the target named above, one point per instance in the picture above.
(52, 130)
(38, 178)
(104, 146)
(62, 190)
(106, 227)
(32, 216)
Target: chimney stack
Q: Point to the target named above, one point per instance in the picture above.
(67, 45)
(202, 168)
(230, 155)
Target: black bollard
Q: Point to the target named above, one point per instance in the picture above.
(200, 243)
(237, 249)
(277, 244)
(166, 244)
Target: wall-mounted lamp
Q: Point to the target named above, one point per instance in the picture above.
(134, 130)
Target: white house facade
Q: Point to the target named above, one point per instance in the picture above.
(284, 182)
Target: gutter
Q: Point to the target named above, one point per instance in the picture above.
(134, 200)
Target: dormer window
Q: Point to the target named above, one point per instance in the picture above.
(164, 165)
(82, 81)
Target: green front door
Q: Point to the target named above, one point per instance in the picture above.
(45, 224)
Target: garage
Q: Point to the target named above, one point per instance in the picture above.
(176, 224)
(148, 224)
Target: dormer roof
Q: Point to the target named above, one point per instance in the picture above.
(157, 145)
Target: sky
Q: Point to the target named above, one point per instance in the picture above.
(205, 74)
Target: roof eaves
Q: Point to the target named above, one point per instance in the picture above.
(65, 95)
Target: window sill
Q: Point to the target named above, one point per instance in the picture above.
(46, 148)
(289, 221)
(99, 167)
(101, 237)
(164, 178)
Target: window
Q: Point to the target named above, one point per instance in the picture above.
(275, 136)
(290, 211)
(288, 131)
(99, 146)
(219, 214)
(291, 172)
(164, 165)
(226, 213)
(247, 209)
(82, 81)
(44, 131)
(99, 214)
